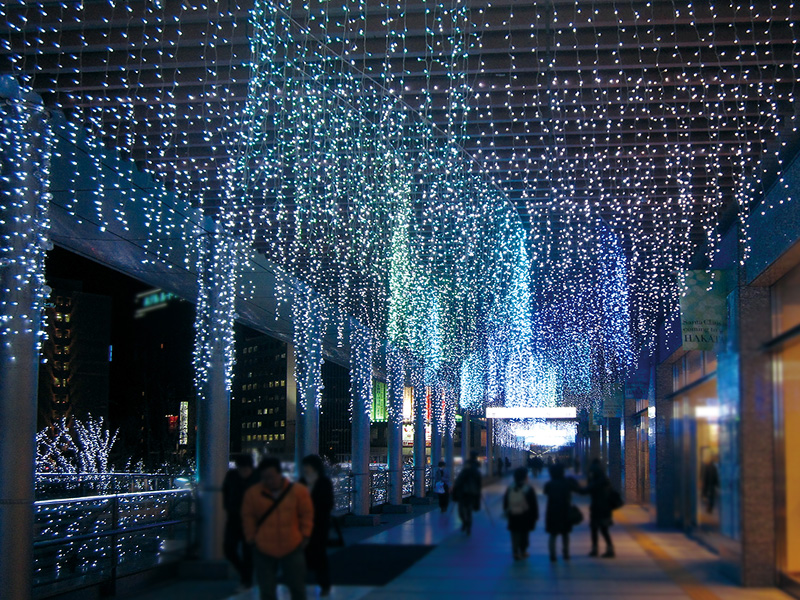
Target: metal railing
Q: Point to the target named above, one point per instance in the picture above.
(92, 538)
(379, 487)
(95, 539)
(79, 485)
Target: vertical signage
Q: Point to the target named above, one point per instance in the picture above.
(703, 308)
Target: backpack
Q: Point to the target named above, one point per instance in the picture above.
(517, 501)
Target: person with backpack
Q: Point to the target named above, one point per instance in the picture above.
(603, 498)
(467, 492)
(441, 485)
(278, 518)
(521, 508)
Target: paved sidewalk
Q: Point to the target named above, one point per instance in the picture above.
(649, 564)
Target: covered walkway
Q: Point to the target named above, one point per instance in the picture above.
(649, 564)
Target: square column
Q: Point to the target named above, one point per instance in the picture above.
(396, 380)
(437, 424)
(420, 457)
(489, 448)
(631, 491)
(24, 156)
(466, 436)
(308, 332)
(361, 397)
(615, 452)
(214, 319)
(665, 465)
(449, 429)
(747, 439)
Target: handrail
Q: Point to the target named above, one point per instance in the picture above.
(110, 532)
(111, 496)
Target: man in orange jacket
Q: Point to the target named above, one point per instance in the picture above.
(277, 517)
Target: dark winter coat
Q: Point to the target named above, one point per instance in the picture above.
(598, 488)
(467, 487)
(559, 500)
(323, 501)
(526, 521)
(233, 488)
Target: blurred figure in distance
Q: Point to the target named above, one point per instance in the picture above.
(321, 488)
(237, 551)
(467, 492)
(560, 515)
(521, 508)
(441, 485)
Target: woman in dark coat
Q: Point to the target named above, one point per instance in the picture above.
(558, 518)
(598, 488)
(522, 510)
(321, 488)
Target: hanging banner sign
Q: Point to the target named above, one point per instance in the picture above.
(703, 309)
(613, 404)
(593, 424)
(638, 385)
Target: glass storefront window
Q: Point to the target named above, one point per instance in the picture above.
(696, 416)
(786, 302)
(786, 372)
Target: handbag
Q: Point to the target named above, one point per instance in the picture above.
(575, 515)
(615, 500)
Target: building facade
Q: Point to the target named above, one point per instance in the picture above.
(262, 411)
(75, 356)
(711, 436)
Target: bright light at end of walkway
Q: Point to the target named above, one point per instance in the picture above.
(531, 412)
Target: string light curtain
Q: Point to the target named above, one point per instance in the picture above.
(392, 155)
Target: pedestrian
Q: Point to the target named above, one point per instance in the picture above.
(441, 485)
(710, 478)
(522, 511)
(507, 464)
(599, 489)
(321, 488)
(234, 486)
(499, 466)
(560, 514)
(278, 518)
(467, 492)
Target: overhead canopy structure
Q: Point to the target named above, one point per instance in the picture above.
(504, 189)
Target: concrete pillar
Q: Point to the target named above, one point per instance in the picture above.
(744, 384)
(307, 344)
(449, 429)
(24, 150)
(615, 452)
(213, 334)
(594, 447)
(466, 436)
(437, 425)
(396, 381)
(631, 450)
(489, 448)
(361, 394)
(665, 466)
(420, 458)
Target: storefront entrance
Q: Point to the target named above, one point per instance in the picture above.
(696, 428)
(786, 371)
